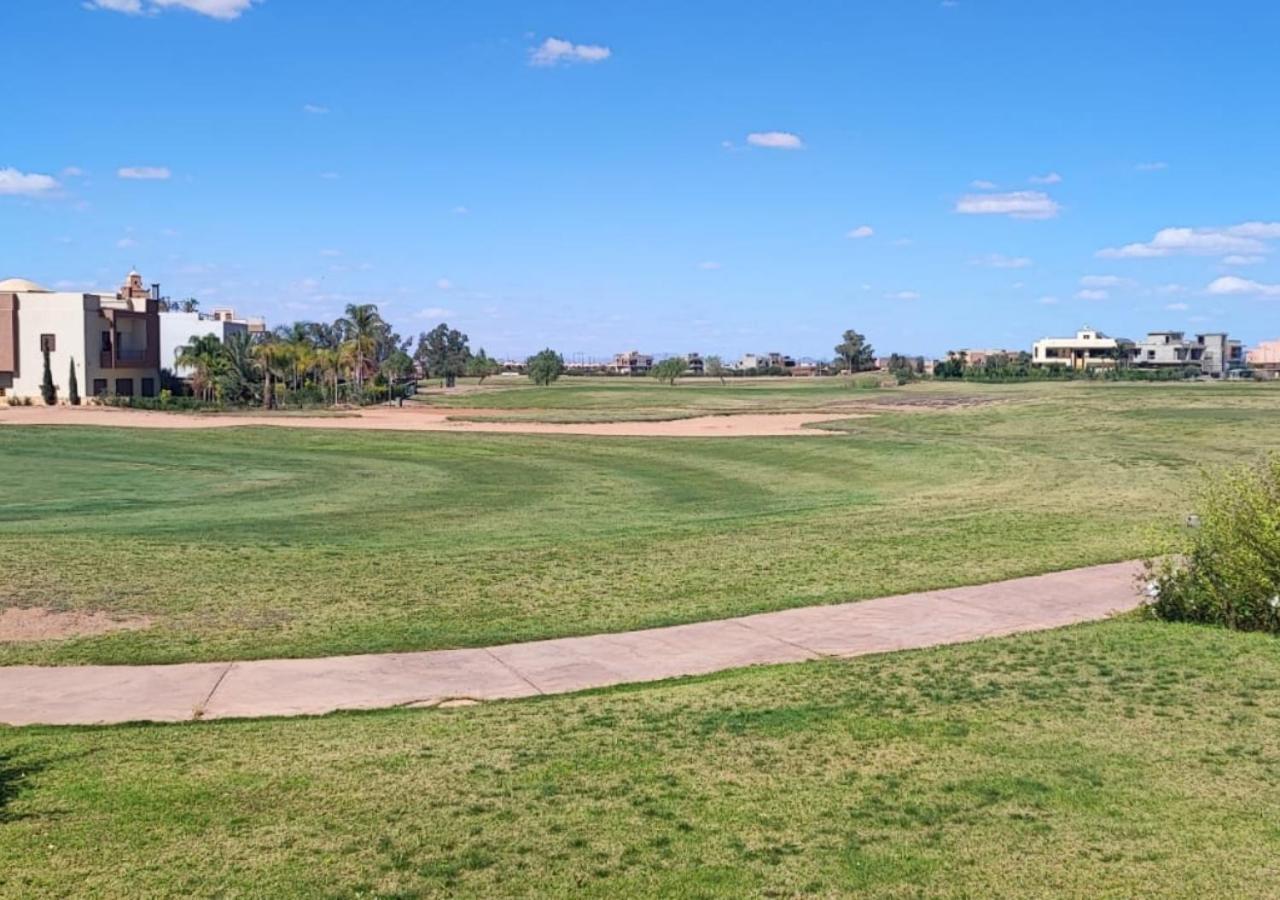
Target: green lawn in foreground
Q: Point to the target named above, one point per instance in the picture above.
(1120, 759)
(259, 542)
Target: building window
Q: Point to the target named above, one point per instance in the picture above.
(106, 342)
(124, 387)
(48, 343)
(148, 387)
(99, 387)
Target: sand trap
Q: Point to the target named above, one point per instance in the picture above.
(38, 624)
(418, 418)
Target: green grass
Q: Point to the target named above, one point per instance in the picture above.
(1121, 759)
(257, 542)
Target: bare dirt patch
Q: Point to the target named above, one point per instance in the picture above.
(35, 623)
(420, 418)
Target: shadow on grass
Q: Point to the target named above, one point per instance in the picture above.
(14, 779)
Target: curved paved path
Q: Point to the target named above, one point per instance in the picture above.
(290, 687)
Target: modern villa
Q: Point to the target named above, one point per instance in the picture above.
(1089, 349)
(1213, 353)
(177, 328)
(113, 340)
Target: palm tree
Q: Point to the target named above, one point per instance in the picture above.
(362, 325)
(239, 370)
(269, 356)
(201, 355)
(329, 361)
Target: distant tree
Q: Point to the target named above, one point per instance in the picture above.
(443, 352)
(545, 366)
(73, 386)
(201, 355)
(482, 366)
(857, 354)
(714, 367)
(362, 325)
(670, 369)
(190, 305)
(47, 389)
(397, 366)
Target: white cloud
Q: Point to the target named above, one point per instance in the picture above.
(554, 51)
(904, 295)
(1151, 166)
(1245, 239)
(708, 265)
(1230, 285)
(73, 172)
(144, 173)
(444, 284)
(862, 231)
(214, 9)
(1050, 178)
(25, 184)
(315, 109)
(777, 140)
(1047, 301)
(1177, 307)
(1018, 204)
(1236, 259)
(1104, 281)
(1000, 261)
(1092, 294)
(981, 184)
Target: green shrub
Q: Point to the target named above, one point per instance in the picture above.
(1229, 574)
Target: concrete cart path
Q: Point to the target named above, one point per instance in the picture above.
(76, 695)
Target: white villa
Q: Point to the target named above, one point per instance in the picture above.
(1089, 349)
(113, 340)
(177, 328)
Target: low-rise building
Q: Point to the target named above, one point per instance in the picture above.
(773, 360)
(112, 340)
(978, 356)
(1089, 349)
(1266, 358)
(632, 362)
(696, 364)
(1212, 354)
(177, 329)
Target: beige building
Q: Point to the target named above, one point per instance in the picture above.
(1266, 356)
(1089, 349)
(633, 362)
(113, 340)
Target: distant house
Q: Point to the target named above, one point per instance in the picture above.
(696, 364)
(632, 362)
(1213, 354)
(1089, 349)
(978, 357)
(178, 328)
(772, 360)
(1266, 358)
(112, 339)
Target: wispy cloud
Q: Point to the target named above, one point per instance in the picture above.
(1000, 261)
(461, 211)
(862, 231)
(1236, 259)
(981, 184)
(1244, 239)
(444, 284)
(1049, 178)
(556, 51)
(1104, 281)
(1151, 166)
(1092, 294)
(25, 184)
(1231, 285)
(776, 140)
(708, 265)
(329, 176)
(1177, 307)
(144, 173)
(1047, 301)
(315, 109)
(435, 312)
(214, 9)
(126, 242)
(903, 295)
(1016, 204)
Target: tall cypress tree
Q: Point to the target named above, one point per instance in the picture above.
(73, 386)
(47, 390)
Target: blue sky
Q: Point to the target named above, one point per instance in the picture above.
(583, 175)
